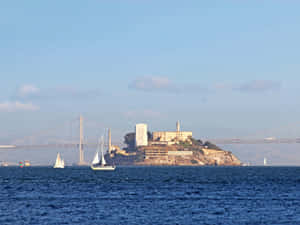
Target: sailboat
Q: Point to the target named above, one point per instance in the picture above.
(101, 164)
(265, 161)
(59, 163)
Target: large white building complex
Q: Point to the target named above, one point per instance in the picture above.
(141, 137)
(171, 137)
(160, 137)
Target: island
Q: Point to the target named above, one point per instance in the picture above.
(169, 148)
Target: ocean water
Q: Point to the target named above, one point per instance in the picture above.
(150, 195)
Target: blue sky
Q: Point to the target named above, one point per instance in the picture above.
(224, 68)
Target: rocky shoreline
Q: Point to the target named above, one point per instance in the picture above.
(174, 156)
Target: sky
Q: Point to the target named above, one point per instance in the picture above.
(225, 69)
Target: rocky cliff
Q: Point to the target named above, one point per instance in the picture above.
(176, 155)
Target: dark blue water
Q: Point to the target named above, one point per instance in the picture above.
(150, 195)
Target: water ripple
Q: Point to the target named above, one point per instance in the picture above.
(150, 195)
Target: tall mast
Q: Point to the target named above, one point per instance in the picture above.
(109, 141)
(102, 146)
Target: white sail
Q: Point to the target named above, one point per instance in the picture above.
(265, 161)
(103, 163)
(96, 159)
(59, 163)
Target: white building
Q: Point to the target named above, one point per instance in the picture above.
(141, 137)
(171, 137)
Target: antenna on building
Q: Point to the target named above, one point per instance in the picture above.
(178, 126)
(177, 130)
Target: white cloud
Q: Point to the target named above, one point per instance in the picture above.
(152, 83)
(259, 86)
(17, 106)
(164, 84)
(222, 86)
(27, 90)
(32, 93)
(71, 92)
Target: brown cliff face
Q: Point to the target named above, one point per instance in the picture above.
(179, 156)
(219, 157)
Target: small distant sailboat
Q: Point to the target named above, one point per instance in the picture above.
(59, 163)
(265, 161)
(4, 164)
(101, 164)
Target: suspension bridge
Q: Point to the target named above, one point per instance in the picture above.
(70, 135)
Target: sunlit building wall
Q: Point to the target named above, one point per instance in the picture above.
(141, 138)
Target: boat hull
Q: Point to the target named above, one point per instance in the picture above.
(58, 167)
(104, 168)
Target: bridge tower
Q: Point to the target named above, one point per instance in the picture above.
(81, 153)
